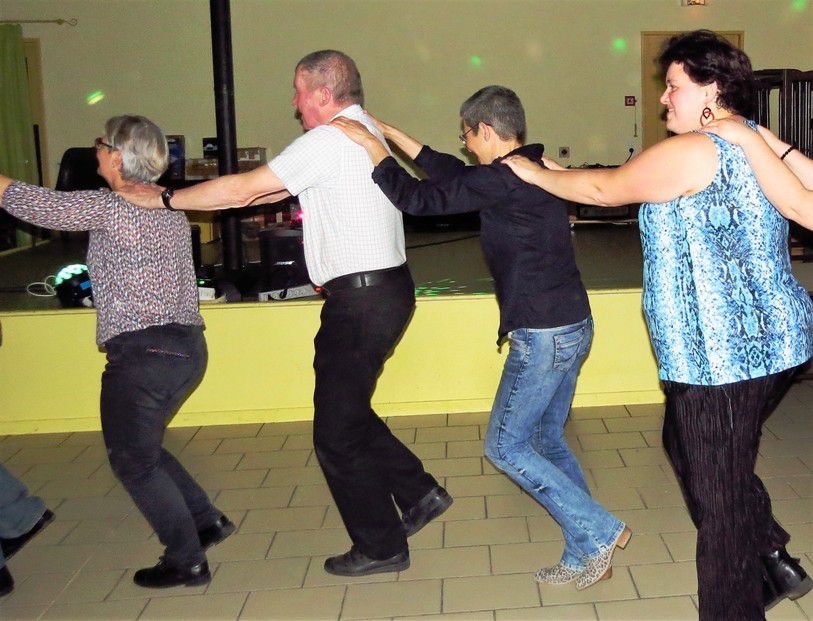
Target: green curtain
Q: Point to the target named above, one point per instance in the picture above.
(17, 154)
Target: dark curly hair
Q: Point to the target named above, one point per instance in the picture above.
(706, 57)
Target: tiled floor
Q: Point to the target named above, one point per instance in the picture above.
(474, 563)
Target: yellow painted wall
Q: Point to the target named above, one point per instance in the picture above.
(261, 354)
(153, 57)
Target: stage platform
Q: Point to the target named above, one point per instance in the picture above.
(261, 353)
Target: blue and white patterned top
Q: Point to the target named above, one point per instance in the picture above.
(719, 297)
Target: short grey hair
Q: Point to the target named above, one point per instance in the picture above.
(337, 71)
(143, 147)
(498, 107)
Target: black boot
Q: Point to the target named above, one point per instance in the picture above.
(784, 577)
(6, 581)
(163, 576)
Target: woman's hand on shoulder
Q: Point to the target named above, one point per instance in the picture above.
(354, 130)
(733, 130)
(142, 195)
(522, 167)
(550, 164)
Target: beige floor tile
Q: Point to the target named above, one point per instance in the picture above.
(38, 440)
(786, 611)
(241, 576)
(228, 431)
(544, 528)
(643, 550)
(801, 486)
(513, 505)
(662, 496)
(311, 496)
(220, 607)
(429, 450)
(618, 498)
(465, 508)
(110, 530)
(309, 543)
(468, 418)
(485, 615)
(127, 589)
(665, 580)
(447, 563)
(588, 425)
(407, 436)
(646, 409)
(241, 547)
(264, 498)
(805, 604)
(322, 604)
(781, 467)
(430, 536)
(681, 546)
(636, 423)
(294, 518)
(653, 438)
(56, 533)
(231, 480)
(197, 464)
(597, 441)
(619, 587)
(662, 520)
(284, 429)
(123, 610)
(303, 475)
(601, 458)
(90, 586)
(527, 558)
(575, 612)
(251, 445)
(656, 609)
(632, 476)
(447, 434)
(454, 467)
(388, 599)
(413, 422)
(46, 455)
(649, 456)
(200, 447)
(489, 593)
(38, 560)
(332, 518)
(36, 589)
(275, 459)
(483, 532)
(123, 555)
(42, 473)
(465, 448)
(796, 511)
(25, 613)
(489, 468)
(95, 453)
(608, 411)
(483, 485)
(298, 442)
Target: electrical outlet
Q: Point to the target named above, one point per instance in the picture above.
(564, 152)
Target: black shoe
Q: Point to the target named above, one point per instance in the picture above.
(354, 563)
(216, 533)
(6, 581)
(427, 509)
(163, 576)
(12, 545)
(784, 577)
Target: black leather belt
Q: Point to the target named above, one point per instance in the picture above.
(362, 279)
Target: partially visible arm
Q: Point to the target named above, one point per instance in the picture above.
(678, 166)
(781, 186)
(800, 165)
(227, 192)
(63, 211)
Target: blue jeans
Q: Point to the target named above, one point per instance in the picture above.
(18, 511)
(525, 434)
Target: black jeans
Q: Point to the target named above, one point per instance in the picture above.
(366, 467)
(711, 434)
(149, 373)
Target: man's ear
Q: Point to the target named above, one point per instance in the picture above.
(325, 95)
(484, 131)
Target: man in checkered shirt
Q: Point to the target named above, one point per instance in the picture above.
(354, 249)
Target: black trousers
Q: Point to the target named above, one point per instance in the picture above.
(149, 373)
(366, 467)
(711, 434)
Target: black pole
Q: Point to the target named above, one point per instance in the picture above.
(222, 67)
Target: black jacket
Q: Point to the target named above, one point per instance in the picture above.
(525, 232)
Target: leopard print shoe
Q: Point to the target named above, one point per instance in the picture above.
(558, 574)
(599, 567)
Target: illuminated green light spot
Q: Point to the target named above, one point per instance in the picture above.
(620, 44)
(798, 5)
(476, 61)
(95, 97)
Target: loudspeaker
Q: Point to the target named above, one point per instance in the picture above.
(282, 258)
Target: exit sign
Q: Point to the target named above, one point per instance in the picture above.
(629, 100)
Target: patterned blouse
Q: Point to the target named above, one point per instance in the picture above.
(719, 297)
(140, 262)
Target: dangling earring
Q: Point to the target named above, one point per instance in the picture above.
(706, 117)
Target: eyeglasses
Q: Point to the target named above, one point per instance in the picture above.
(99, 143)
(463, 135)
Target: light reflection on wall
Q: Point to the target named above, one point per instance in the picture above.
(619, 45)
(476, 61)
(799, 5)
(94, 98)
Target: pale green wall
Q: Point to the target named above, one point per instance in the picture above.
(153, 58)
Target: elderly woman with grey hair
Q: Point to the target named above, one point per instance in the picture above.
(144, 289)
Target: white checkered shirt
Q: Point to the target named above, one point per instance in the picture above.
(348, 224)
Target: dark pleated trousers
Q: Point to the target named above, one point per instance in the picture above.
(711, 434)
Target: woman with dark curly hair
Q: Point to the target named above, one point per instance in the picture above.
(729, 324)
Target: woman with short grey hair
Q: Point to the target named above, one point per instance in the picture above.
(144, 290)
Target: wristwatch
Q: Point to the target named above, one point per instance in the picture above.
(166, 196)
